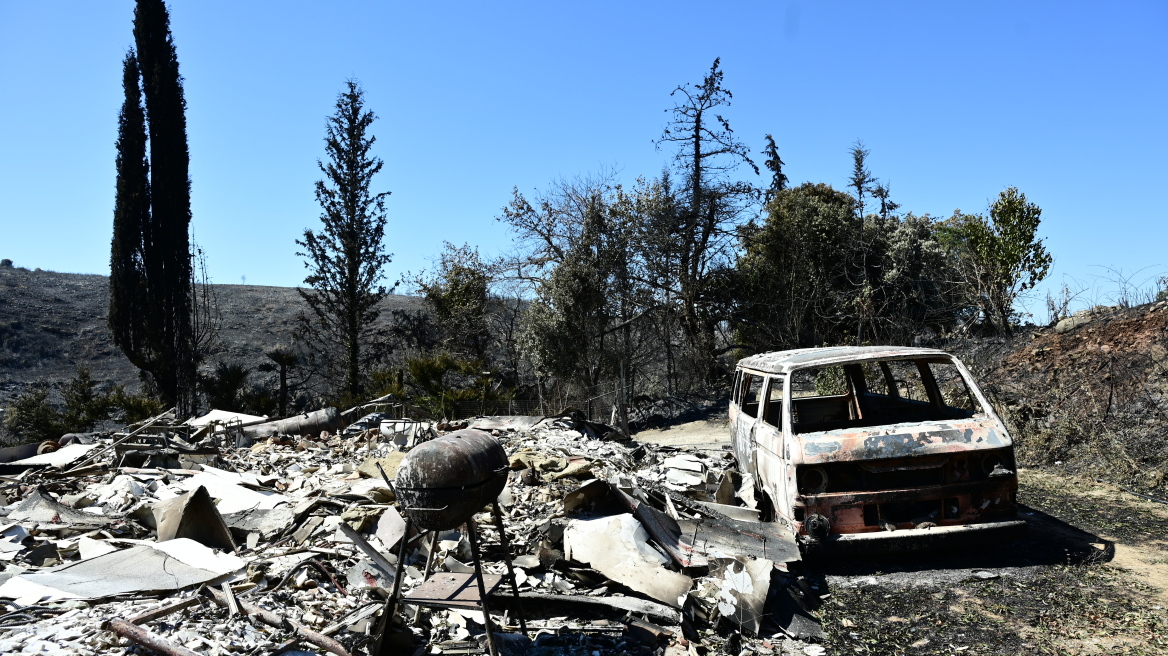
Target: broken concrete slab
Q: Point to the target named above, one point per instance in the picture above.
(41, 508)
(390, 462)
(90, 548)
(230, 496)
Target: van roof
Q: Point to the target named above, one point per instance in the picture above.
(781, 362)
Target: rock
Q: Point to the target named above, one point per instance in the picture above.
(1072, 322)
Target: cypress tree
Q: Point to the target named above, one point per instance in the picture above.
(154, 242)
(346, 258)
(127, 309)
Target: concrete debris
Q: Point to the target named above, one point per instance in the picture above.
(230, 533)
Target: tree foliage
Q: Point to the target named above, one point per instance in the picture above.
(457, 294)
(151, 308)
(346, 257)
(585, 264)
(811, 273)
(1001, 257)
(33, 417)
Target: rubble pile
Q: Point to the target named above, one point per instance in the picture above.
(221, 537)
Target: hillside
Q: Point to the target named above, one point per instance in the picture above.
(50, 323)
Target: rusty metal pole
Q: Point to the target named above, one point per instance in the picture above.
(498, 514)
(385, 624)
(473, 534)
(137, 634)
(429, 568)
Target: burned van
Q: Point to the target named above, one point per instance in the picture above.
(873, 447)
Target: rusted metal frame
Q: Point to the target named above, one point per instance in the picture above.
(891, 496)
(274, 619)
(473, 534)
(137, 634)
(498, 515)
(92, 456)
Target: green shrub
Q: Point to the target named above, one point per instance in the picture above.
(31, 417)
(135, 406)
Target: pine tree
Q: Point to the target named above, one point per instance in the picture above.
(710, 205)
(774, 164)
(151, 277)
(347, 256)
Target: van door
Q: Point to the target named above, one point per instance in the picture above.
(752, 387)
(768, 431)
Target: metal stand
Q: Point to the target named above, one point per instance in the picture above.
(380, 647)
(507, 559)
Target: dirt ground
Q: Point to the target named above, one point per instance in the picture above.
(1089, 577)
(705, 435)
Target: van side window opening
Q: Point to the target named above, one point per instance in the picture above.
(821, 397)
(956, 399)
(878, 393)
(736, 387)
(752, 387)
(907, 381)
(773, 409)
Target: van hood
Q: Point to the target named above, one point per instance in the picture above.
(902, 440)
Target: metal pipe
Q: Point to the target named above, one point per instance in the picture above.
(135, 633)
(274, 619)
(364, 545)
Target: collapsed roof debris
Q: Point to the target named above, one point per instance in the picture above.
(237, 534)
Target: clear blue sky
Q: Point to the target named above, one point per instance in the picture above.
(956, 100)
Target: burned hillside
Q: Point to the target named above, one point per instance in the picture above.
(51, 323)
(1089, 393)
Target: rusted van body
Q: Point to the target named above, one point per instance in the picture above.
(874, 448)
